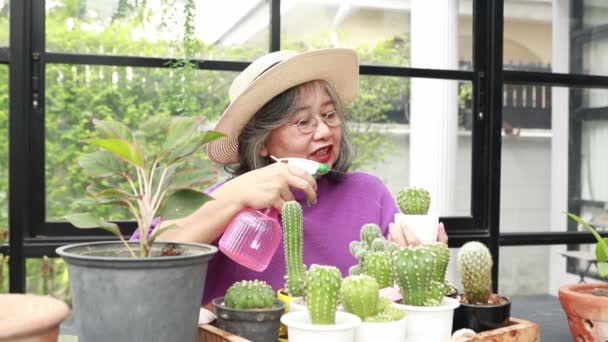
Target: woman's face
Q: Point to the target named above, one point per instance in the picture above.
(322, 145)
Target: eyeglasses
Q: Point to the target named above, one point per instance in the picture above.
(308, 125)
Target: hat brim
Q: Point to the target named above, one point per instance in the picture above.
(339, 67)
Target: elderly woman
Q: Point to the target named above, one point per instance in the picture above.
(289, 104)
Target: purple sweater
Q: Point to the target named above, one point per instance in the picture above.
(329, 227)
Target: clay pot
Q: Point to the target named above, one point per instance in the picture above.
(31, 318)
(587, 313)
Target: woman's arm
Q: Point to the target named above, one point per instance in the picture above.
(262, 188)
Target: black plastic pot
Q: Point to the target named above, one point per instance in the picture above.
(256, 325)
(482, 317)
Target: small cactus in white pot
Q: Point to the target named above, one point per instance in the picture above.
(414, 204)
(321, 322)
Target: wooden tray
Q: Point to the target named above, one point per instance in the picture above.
(518, 330)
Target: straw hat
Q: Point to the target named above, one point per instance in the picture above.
(270, 75)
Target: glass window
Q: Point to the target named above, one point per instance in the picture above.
(553, 157)
(77, 94)
(391, 116)
(4, 26)
(559, 36)
(388, 33)
(174, 28)
(48, 276)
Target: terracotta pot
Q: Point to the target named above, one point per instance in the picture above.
(587, 313)
(31, 318)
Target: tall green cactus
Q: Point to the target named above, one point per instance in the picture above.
(475, 267)
(360, 295)
(249, 294)
(322, 289)
(414, 201)
(441, 260)
(291, 215)
(413, 271)
(378, 265)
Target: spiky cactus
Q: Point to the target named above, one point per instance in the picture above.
(386, 312)
(378, 265)
(360, 295)
(291, 215)
(249, 294)
(475, 267)
(322, 289)
(414, 201)
(441, 260)
(413, 271)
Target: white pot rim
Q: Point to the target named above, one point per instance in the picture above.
(301, 320)
(447, 303)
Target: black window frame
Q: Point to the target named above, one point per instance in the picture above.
(32, 236)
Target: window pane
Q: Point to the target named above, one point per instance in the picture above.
(553, 157)
(387, 112)
(4, 26)
(558, 36)
(77, 94)
(216, 29)
(48, 276)
(433, 34)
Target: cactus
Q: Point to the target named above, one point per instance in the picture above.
(441, 260)
(249, 294)
(414, 201)
(386, 312)
(413, 271)
(322, 289)
(369, 232)
(378, 265)
(475, 267)
(291, 215)
(360, 295)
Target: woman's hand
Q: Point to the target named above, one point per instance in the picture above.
(269, 186)
(404, 236)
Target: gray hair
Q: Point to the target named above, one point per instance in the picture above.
(277, 112)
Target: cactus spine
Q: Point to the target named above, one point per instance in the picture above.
(360, 295)
(322, 289)
(414, 201)
(249, 294)
(441, 260)
(378, 265)
(413, 270)
(475, 267)
(291, 215)
(373, 255)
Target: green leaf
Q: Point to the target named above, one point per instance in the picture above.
(111, 196)
(601, 254)
(180, 130)
(189, 178)
(602, 268)
(113, 129)
(120, 148)
(168, 176)
(100, 164)
(158, 231)
(182, 203)
(190, 147)
(87, 221)
(212, 135)
(602, 244)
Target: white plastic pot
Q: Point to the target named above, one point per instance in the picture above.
(300, 329)
(424, 226)
(429, 323)
(298, 304)
(381, 331)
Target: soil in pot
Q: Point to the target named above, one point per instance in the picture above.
(481, 317)
(256, 324)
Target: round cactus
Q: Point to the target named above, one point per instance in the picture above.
(360, 295)
(414, 201)
(369, 232)
(291, 216)
(322, 290)
(413, 271)
(441, 261)
(249, 294)
(378, 266)
(475, 267)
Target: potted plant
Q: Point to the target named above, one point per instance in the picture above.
(146, 290)
(420, 273)
(321, 322)
(480, 309)
(251, 310)
(381, 321)
(586, 305)
(414, 204)
(373, 254)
